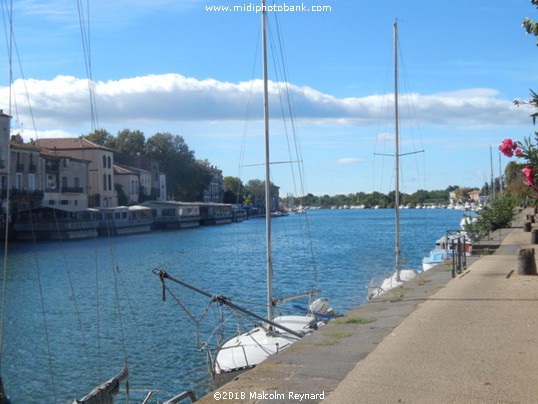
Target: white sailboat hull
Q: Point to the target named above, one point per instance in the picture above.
(389, 283)
(245, 351)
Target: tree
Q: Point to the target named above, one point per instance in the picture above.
(490, 218)
(101, 137)
(186, 178)
(255, 189)
(130, 142)
(233, 190)
(526, 149)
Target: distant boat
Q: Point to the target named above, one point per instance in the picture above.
(376, 288)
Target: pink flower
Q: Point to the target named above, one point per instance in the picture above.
(507, 147)
(517, 152)
(527, 172)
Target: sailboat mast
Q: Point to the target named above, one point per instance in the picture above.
(267, 171)
(396, 156)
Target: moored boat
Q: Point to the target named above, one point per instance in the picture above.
(123, 220)
(435, 257)
(376, 288)
(174, 215)
(55, 223)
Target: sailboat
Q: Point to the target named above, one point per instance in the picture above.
(400, 275)
(273, 334)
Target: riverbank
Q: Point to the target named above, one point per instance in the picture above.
(468, 339)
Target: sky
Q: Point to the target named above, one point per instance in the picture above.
(185, 68)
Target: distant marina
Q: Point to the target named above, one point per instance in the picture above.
(70, 223)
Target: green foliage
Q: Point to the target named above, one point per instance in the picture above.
(378, 199)
(101, 137)
(529, 25)
(490, 218)
(130, 142)
(234, 190)
(186, 177)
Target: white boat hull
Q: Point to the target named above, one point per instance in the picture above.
(249, 349)
(389, 283)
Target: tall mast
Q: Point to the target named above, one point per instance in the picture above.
(396, 155)
(267, 172)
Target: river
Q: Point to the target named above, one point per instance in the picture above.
(59, 296)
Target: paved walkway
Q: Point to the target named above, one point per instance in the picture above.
(472, 339)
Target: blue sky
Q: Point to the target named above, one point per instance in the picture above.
(171, 66)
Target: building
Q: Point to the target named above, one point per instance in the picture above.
(101, 191)
(150, 175)
(215, 191)
(65, 180)
(130, 181)
(25, 180)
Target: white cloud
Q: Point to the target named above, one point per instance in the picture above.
(349, 160)
(65, 102)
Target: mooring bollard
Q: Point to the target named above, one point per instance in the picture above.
(526, 264)
(527, 226)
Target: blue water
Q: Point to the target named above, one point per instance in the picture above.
(60, 296)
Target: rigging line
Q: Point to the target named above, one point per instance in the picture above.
(97, 313)
(117, 277)
(84, 23)
(43, 310)
(298, 153)
(6, 219)
(72, 291)
(120, 315)
(25, 86)
(382, 121)
(247, 112)
(86, 47)
(412, 112)
(9, 41)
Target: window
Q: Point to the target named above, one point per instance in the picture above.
(64, 182)
(77, 182)
(109, 182)
(18, 184)
(104, 161)
(31, 182)
(51, 182)
(104, 182)
(109, 162)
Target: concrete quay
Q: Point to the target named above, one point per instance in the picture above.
(471, 339)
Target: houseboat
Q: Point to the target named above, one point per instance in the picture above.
(215, 213)
(239, 213)
(65, 222)
(174, 215)
(124, 220)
